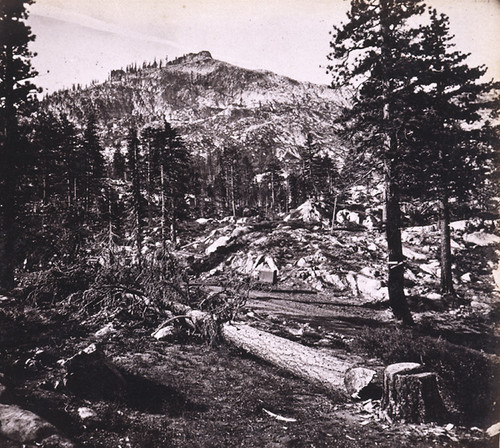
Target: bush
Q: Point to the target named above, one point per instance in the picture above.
(56, 283)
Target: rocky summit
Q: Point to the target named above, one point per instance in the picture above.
(213, 104)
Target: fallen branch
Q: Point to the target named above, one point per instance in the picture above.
(280, 418)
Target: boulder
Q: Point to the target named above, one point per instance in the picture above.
(220, 242)
(493, 430)
(482, 239)
(456, 245)
(433, 296)
(23, 426)
(309, 211)
(91, 375)
(431, 268)
(466, 278)
(459, 226)
(355, 217)
(348, 216)
(164, 333)
(414, 255)
(371, 289)
(371, 222)
(56, 441)
(335, 281)
(107, 330)
(240, 231)
(353, 285)
(86, 413)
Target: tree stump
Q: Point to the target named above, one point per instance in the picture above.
(411, 394)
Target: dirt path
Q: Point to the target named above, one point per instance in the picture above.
(317, 310)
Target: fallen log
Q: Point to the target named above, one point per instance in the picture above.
(316, 366)
(313, 365)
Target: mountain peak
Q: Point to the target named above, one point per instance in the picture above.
(202, 56)
(213, 103)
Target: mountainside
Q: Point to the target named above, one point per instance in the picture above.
(213, 104)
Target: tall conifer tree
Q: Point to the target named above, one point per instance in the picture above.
(92, 165)
(376, 52)
(134, 161)
(176, 166)
(451, 141)
(15, 93)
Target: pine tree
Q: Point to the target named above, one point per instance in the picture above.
(68, 154)
(375, 50)
(153, 139)
(167, 176)
(227, 179)
(272, 185)
(310, 168)
(92, 166)
(15, 95)
(451, 139)
(52, 146)
(175, 176)
(118, 170)
(246, 182)
(134, 160)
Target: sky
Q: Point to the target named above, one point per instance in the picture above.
(78, 41)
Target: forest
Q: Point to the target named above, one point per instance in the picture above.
(197, 254)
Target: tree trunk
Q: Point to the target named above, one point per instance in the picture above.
(447, 289)
(173, 219)
(313, 365)
(68, 191)
(149, 181)
(8, 183)
(44, 189)
(110, 227)
(272, 191)
(163, 210)
(334, 212)
(136, 194)
(395, 283)
(233, 202)
(7, 243)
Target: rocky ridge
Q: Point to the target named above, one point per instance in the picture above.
(213, 104)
